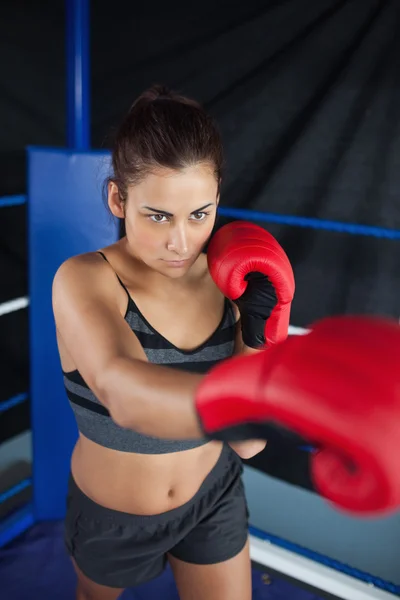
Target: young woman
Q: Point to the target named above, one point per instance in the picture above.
(138, 324)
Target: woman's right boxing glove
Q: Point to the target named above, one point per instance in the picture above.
(338, 387)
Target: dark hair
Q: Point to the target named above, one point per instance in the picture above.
(163, 129)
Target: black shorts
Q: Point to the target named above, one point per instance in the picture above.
(122, 550)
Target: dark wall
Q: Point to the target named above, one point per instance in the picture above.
(306, 94)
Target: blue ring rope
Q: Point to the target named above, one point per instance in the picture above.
(294, 221)
(15, 489)
(12, 526)
(328, 562)
(12, 201)
(11, 402)
(351, 228)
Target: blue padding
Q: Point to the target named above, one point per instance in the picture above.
(11, 402)
(16, 524)
(325, 560)
(7, 201)
(66, 217)
(350, 228)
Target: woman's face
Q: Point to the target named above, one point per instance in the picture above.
(169, 217)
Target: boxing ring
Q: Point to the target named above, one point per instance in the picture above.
(63, 203)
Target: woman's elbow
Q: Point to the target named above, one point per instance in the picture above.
(249, 448)
(106, 391)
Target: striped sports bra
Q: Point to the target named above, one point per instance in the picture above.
(94, 420)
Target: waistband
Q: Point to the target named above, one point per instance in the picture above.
(228, 462)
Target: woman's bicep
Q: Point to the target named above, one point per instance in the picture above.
(89, 321)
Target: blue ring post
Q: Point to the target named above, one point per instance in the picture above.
(78, 74)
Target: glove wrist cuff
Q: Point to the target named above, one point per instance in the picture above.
(253, 329)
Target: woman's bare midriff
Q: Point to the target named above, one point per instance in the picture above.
(141, 484)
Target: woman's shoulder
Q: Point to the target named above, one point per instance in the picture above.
(80, 265)
(92, 261)
(83, 273)
(85, 282)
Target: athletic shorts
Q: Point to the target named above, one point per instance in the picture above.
(121, 550)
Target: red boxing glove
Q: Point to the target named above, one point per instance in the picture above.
(251, 268)
(338, 387)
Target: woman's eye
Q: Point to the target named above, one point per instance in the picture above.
(157, 218)
(200, 216)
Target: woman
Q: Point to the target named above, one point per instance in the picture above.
(127, 317)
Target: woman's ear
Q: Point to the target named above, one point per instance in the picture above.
(115, 202)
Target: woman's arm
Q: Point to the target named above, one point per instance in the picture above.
(249, 448)
(151, 399)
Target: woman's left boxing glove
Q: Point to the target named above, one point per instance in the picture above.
(252, 269)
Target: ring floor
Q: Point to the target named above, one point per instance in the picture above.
(36, 567)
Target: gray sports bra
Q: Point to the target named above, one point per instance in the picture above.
(93, 419)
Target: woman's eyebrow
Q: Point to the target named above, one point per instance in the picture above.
(168, 214)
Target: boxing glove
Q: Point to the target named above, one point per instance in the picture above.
(338, 387)
(251, 268)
